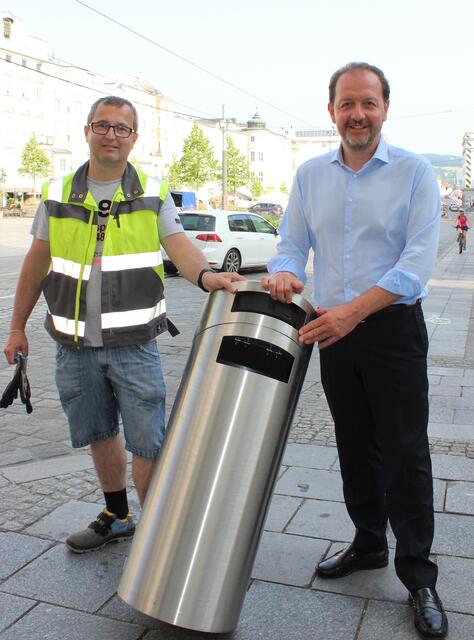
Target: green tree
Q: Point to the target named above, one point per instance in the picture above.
(34, 161)
(256, 186)
(238, 172)
(197, 165)
(283, 188)
(174, 174)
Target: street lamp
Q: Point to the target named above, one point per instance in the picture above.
(223, 126)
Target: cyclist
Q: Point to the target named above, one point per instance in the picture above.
(463, 224)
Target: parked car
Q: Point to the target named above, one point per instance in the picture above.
(454, 204)
(266, 207)
(230, 240)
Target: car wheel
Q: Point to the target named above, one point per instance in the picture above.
(169, 268)
(232, 261)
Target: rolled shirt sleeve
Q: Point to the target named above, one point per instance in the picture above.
(409, 276)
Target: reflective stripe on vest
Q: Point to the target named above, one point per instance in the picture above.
(68, 326)
(131, 261)
(70, 268)
(132, 318)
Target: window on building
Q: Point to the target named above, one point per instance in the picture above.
(38, 66)
(252, 156)
(62, 164)
(260, 176)
(23, 62)
(8, 57)
(260, 156)
(252, 138)
(7, 27)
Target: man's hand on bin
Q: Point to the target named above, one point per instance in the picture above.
(282, 285)
(213, 280)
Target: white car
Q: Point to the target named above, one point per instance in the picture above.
(230, 240)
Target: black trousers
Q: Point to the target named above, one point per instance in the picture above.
(376, 384)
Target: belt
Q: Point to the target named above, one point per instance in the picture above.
(393, 308)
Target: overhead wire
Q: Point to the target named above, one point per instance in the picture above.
(61, 63)
(102, 92)
(193, 64)
(232, 84)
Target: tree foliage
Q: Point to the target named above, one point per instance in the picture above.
(197, 165)
(238, 172)
(34, 161)
(174, 175)
(256, 187)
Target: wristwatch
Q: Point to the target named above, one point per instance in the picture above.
(199, 278)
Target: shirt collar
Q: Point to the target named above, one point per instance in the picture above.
(381, 154)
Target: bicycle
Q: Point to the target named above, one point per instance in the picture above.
(461, 240)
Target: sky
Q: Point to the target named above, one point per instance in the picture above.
(283, 52)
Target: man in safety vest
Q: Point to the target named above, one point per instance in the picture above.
(96, 257)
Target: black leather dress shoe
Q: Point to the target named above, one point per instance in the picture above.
(430, 619)
(348, 560)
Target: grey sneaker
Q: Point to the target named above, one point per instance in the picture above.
(106, 528)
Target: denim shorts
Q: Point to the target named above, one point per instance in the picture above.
(98, 385)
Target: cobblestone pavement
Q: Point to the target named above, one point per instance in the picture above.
(45, 485)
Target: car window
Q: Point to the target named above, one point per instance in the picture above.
(261, 225)
(195, 222)
(239, 222)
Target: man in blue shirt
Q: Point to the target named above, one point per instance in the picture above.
(371, 214)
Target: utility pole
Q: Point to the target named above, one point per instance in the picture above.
(224, 159)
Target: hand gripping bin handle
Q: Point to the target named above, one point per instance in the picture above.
(195, 544)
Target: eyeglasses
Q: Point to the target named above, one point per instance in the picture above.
(102, 128)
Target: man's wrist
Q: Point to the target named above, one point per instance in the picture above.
(199, 278)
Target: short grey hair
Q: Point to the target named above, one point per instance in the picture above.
(114, 101)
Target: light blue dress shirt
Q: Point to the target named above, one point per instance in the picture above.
(377, 226)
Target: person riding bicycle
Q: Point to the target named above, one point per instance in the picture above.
(463, 224)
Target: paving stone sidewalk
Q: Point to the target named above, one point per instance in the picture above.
(48, 490)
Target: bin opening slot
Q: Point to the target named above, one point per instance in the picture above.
(257, 356)
(261, 302)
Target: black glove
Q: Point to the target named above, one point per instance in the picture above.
(20, 383)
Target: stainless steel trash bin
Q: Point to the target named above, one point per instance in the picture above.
(196, 541)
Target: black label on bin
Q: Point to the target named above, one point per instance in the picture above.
(260, 302)
(257, 356)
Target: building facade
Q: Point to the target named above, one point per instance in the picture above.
(49, 98)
